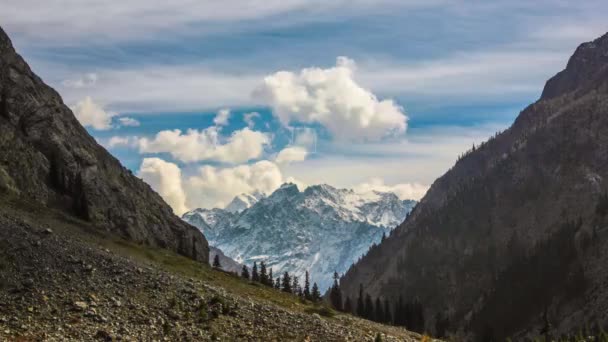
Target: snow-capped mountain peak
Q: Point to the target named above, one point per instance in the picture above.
(244, 201)
(321, 229)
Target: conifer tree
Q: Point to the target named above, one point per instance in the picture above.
(277, 283)
(245, 272)
(255, 276)
(263, 274)
(360, 302)
(286, 284)
(216, 262)
(348, 306)
(369, 307)
(270, 279)
(335, 294)
(295, 285)
(388, 319)
(306, 292)
(379, 313)
(316, 295)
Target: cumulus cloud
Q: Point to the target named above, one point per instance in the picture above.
(403, 191)
(249, 117)
(221, 119)
(332, 98)
(166, 179)
(216, 187)
(207, 144)
(91, 114)
(291, 154)
(127, 121)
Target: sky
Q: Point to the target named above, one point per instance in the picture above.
(205, 100)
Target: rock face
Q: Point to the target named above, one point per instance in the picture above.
(321, 229)
(517, 230)
(47, 156)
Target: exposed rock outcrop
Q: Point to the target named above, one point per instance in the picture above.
(47, 156)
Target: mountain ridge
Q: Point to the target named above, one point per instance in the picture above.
(501, 210)
(50, 158)
(295, 231)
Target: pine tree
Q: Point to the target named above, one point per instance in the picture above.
(270, 279)
(369, 307)
(263, 274)
(360, 302)
(335, 294)
(254, 272)
(348, 306)
(316, 295)
(245, 272)
(277, 283)
(379, 313)
(295, 285)
(388, 319)
(216, 262)
(307, 286)
(286, 284)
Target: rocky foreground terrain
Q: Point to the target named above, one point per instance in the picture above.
(63, 280)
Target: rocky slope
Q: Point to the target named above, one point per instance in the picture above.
(517, 230)
(321, 229)
(48, 157)
(61, 280)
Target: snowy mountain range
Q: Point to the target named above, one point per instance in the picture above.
(321, 229)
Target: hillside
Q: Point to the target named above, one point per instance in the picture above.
(320, 229)
(48, 157)
(516, 230)
(62, 279)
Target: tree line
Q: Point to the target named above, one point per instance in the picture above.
(286, 283)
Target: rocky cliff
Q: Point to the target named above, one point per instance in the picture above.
(48, 157)
(514, 237)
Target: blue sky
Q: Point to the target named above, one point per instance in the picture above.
(421, 82)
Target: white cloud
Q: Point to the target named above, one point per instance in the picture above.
(403, 191)
(166, 179)
(221, 119)
(332, 98)
(248, 118)
(86, 81)
(129, 122)
(207, 144)
(216, 187)
(117, 141)
(291, 154)
(93, 115)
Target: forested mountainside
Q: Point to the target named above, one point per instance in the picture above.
(321, 229)
(514, 237)
(48, 157)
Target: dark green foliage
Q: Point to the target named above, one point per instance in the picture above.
(269, 279)
(277, 283)
(306, 292)
(348, 305)
(335, 294)
(316, 295)
(216, 262)
(378, 338)
(369, 308)
(255, 276)
(410, 315)
(263, 274)
(529, 284)
(361, 302)
(286, 283)
(245, 272)
(388, 318)
(322, 310)
(295, 286)
(379, 311)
